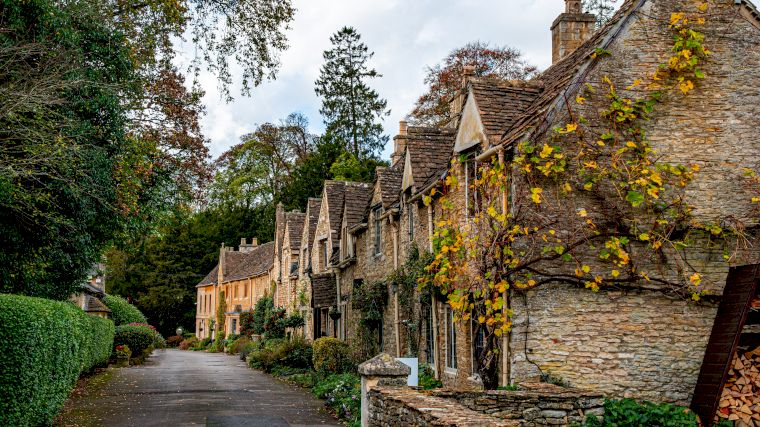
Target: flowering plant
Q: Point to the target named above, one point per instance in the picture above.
(123, 351)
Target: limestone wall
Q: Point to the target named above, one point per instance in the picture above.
(625, 344)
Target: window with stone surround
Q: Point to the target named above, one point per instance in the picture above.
(324, 256)
(451, 340)
(471, 174)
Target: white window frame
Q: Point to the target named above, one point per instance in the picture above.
(451, 342)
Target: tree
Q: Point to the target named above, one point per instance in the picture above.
(444, 80)
(593, 205)
(350, 108)
(255, 171)
(603, 9)
(99, 136)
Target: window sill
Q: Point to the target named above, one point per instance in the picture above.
(451, 371)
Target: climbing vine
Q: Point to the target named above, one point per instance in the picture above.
(593, 196)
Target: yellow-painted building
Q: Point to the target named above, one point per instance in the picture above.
(244, 276)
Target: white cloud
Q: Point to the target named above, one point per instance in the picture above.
(406, 36)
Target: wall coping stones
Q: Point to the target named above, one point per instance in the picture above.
(384, 365)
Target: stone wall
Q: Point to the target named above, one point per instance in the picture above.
(532, 405)
(637, 344)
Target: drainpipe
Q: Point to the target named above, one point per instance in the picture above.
(395, 294)
(433, 302)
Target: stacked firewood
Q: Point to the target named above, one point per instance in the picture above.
(740, 400)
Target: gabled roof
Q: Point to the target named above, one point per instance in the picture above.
(560, 80)
(252, 264)
(355, 202)
(324, 290)
(312, 210)
(210, 278)
(501, 102)
(294, 222)
(389, 180)
(334, 191)
(428, 149)
(94, 305)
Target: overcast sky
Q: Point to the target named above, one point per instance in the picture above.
(406, 36)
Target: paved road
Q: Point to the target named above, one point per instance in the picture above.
(177, 388)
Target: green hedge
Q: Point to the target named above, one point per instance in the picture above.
(123, 312)
(138, 338)
(44, 346)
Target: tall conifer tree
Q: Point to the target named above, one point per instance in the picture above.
(351, 109)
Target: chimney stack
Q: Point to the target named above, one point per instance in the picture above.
(245, 247)
(220, 270)
(399, 142)
(571, 29)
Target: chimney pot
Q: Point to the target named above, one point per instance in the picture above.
(402, 127)
(243, 241)
(573, 6)
(254, 242)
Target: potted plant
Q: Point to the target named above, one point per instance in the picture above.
(123, 353)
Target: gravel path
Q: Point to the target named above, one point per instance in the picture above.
(177, 388)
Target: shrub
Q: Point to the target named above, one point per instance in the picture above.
(246, 323)
(123, 312)
(331, 355)
(628, 412)
(175, 340)
(264, 306)
(247, 348)
(281, 356)
(426, 378)
(237, 345)
(138, 338)
(342, 393)
(45, 346)
(188, 343)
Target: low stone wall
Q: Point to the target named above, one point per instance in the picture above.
(404, 406)
(531, 405)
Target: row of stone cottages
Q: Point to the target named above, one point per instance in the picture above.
(633, 341)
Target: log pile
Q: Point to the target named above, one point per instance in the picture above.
(740, 400)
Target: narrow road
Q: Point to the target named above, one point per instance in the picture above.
(177, 388)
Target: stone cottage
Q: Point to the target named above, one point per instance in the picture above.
(245, 276)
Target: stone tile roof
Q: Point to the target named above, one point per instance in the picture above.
(390, 183)
(252, 264)
(294, 224)
(501, 102)
(94, 305)
(335, 192)
(559, 80)
(312, 210)
(429, 150)
(210, 278)
(355, 202)
(323, 290)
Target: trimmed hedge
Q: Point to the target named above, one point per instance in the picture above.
(44, 346)
(123, 312)
(137, 337)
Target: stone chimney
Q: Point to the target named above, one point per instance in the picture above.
(571, 29)
(399, 143)
(220, 270)
(245, 247)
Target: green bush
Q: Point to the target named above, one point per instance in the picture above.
(331, 355)
(175, 340)
(236, 345)
(281, 356)
(188, 343)
(138, 338)
(45, 346)
(628, 412)
(342, 393)
(426, 378)
(247, 348)
(123, 312)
